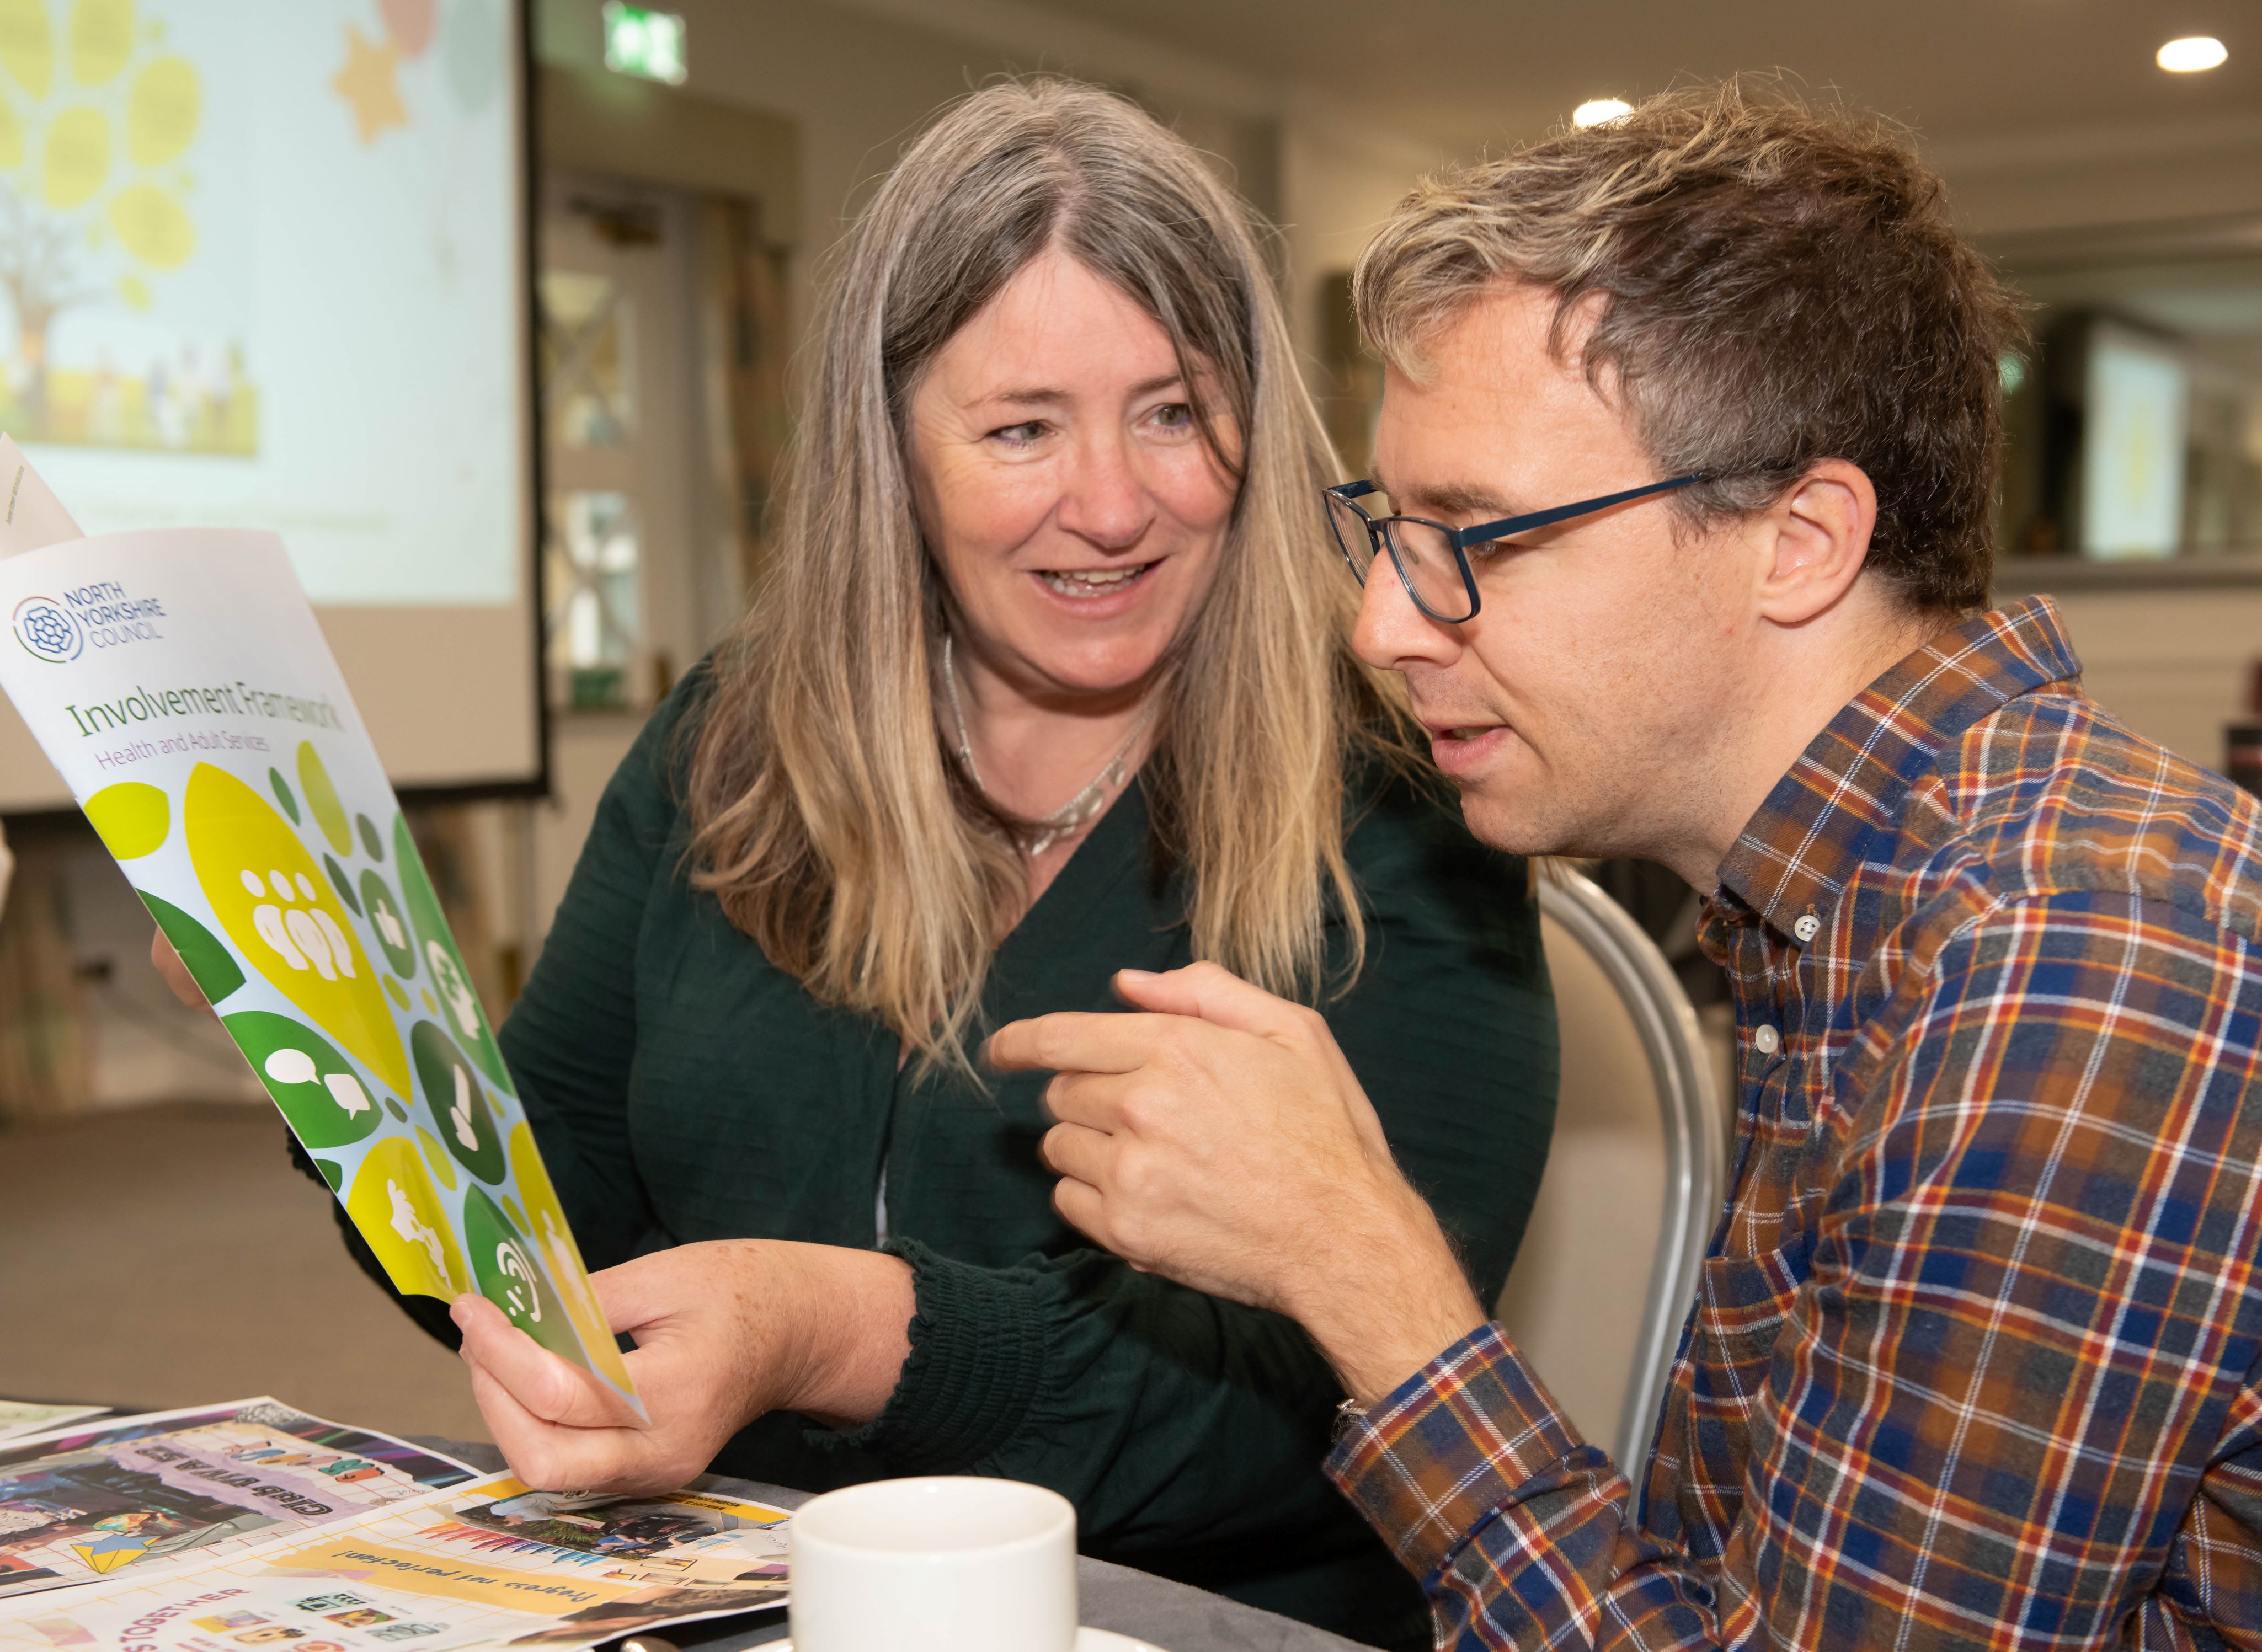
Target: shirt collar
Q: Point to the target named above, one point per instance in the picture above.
(1797, 852)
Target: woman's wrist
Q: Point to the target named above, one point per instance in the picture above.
(851, 1320)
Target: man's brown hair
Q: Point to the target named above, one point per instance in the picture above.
(1779, 286)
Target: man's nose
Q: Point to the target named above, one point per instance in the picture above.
(1106, 500)
(1393, 633)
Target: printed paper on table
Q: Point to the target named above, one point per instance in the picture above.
(178, 681)
(490, 1564)
(20, 1417)
(82, 1503)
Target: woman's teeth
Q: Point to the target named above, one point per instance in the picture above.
(1091, 582)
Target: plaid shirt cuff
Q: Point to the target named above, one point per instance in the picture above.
(1449, 1447)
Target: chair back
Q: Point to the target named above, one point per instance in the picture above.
(1608, 1268)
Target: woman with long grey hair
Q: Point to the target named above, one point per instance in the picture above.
(1051, 678)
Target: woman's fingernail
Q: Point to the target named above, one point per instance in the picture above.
(1134, 975)
(459, 1311)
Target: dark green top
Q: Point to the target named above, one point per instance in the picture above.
(682, 1088)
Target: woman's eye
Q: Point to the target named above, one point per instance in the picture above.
(1021, 434)
(1175, 415)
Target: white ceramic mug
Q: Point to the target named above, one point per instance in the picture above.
(944, 1564)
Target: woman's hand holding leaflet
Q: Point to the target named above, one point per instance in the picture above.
(725, 1332)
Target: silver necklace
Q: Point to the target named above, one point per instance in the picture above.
(1079, 811)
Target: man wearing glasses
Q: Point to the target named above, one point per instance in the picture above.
(1972, 1360)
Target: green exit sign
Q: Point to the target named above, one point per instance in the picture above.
(641, 41)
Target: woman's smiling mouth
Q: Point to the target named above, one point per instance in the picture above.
(1086, 583)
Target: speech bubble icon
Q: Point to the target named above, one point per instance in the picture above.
(315, 1086)
(289, 1065)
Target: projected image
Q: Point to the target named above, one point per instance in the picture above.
(262, 266)
(2132, 495)
(97, 218)
(462, 38)
(2134, 419)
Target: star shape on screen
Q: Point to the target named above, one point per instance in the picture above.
(366, 84)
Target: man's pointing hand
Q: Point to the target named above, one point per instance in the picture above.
(1219, 1137)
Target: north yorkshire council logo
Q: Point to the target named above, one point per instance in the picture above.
(47, 631)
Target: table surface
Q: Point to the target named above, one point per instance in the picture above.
(1171, 1616)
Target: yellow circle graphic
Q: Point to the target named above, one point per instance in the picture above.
(101, 40)
(272, 900)
(131, 818)
(161, 115)
(153, 226)
(395, 1207)
(27, 47)
(77, 157)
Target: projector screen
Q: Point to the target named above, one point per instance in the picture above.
(264, 263)
(2132, 446)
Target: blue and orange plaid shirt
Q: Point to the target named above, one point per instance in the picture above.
(1973, 1357)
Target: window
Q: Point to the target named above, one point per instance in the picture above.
(592, 577)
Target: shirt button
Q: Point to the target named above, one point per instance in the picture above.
(1807, 928)
(1766, 1040)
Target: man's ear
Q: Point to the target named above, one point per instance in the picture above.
(1814, 541)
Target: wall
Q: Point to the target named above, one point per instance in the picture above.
(2104, 173)
(858, 77)
(857, 80)
(2174, 664)
(1338, 184)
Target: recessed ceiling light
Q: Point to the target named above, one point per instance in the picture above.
(2189, 56)
(1601, 109)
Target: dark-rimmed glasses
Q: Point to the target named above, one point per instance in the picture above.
(1432, 559)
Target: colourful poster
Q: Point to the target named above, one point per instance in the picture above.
(489, 1564)
(135, 1492)
(179, 683)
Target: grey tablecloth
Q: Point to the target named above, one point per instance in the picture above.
(1151, 1609)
